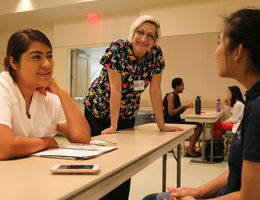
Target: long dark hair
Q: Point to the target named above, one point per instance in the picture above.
(236, 95)
(18, 43)
(243, 27)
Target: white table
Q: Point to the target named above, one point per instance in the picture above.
(29, 178)
(206, 118)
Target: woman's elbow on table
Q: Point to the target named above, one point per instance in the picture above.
(77, 135)
(80, 139)
(5, 152)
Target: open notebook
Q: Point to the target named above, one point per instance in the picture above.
(75, 151)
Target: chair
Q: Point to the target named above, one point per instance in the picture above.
(183, 148)
(227, 139)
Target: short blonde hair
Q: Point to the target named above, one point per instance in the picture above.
(139, 21)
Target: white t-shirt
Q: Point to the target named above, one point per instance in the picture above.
(237, 112)
(46, 111)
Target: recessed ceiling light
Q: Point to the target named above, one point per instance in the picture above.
(24, 5)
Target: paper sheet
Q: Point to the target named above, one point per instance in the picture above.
(75, 151)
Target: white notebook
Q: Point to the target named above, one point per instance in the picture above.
(75, 151)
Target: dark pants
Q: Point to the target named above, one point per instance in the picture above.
(98, 125)
(181, 121)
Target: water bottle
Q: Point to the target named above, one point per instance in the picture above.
(218, 105)
(197, 105)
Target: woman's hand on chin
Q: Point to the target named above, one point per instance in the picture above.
(53, 87)
(42, 90)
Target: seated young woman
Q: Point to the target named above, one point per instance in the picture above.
(237, 57)
(234, 105)
(33, 105)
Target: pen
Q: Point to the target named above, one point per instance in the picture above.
(109, 142)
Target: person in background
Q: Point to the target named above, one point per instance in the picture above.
(33, 106)
(237, 56)
(129, 66)
(234, 105)
(173, 110)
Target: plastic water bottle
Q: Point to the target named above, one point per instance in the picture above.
(218, 105)
(197, 105)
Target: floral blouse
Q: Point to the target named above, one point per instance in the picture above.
(120, 58)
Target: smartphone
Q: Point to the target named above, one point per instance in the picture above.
(78, 169)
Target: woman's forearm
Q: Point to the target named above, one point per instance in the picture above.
(115, 100)
(211, 188)
(177, 111)
(156, 99)
(14, 146)
(78, 129)
(115, 83)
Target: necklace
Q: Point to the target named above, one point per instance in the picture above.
(28, 114)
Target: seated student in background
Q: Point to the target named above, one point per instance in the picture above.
(237, 56)
(33, 106)
(234, 105)
(173, 110)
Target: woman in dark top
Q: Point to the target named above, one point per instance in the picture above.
(173, 110)
(237, 57)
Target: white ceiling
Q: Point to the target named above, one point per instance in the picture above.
(47, 11)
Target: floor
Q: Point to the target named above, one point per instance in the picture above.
(193, 174)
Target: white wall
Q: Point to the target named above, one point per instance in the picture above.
(200, 16)
(80, 32)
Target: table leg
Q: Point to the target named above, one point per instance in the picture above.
(178, 165)
(164, 173)
(203, 141)
(211, 140)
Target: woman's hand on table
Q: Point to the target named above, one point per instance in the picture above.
(170, 128)
(109, 130)
(50, 142)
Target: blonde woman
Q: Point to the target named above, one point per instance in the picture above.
(129, 66)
